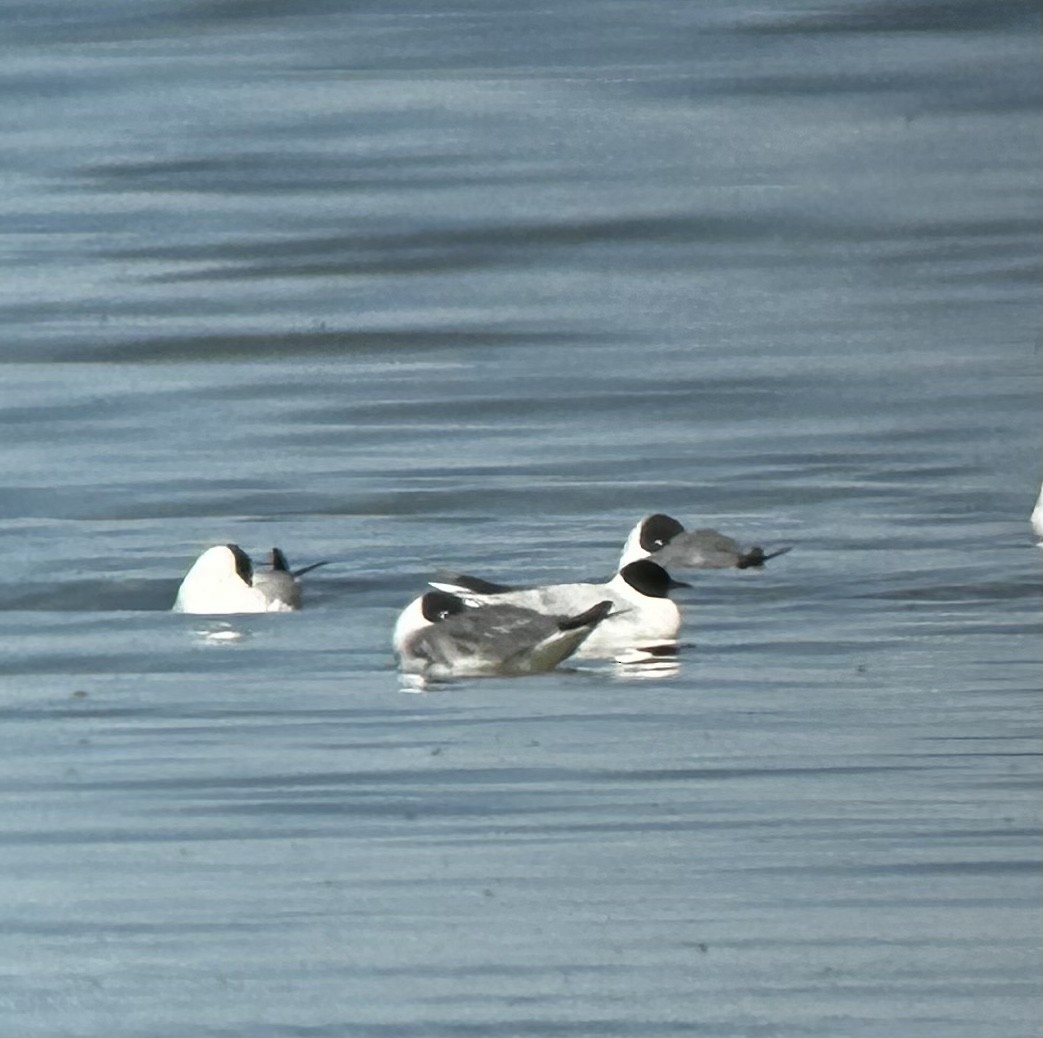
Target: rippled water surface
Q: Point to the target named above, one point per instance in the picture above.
(476, 285)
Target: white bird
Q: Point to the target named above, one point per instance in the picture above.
(279, 584)
(664, 540)
(438, 636)
(1037, 516)
(221, 581)
(643, 624)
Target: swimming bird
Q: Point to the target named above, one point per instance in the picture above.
(439, 636)
(663, 539)
(643, 624)
(279, 584)
(221, 581)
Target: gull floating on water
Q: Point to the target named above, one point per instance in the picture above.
(643, 624)
(664, 540)
(439, 636)
(222, 580)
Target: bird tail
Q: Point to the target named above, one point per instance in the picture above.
(307, 569)
(757, 556)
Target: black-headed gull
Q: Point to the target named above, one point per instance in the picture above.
(439, 636)
(643, 624)
(664, 540)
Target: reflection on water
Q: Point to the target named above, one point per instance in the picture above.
(640, 669)
(645, 669)
(220, 632)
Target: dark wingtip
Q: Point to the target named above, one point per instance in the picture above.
(307, 569)
(279, 561)
(593, 616)
(757, 556)
(469, 583)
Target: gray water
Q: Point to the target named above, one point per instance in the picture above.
(477, 285)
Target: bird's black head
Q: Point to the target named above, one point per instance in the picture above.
(438, 605)
(649, 578)
(659, 530)
(243, 566)
(279, 563)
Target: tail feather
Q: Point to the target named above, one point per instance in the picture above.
(281, 565)
(757, 556)
(307, 569)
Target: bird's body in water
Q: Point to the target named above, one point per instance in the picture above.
(644, 620)
(219, 582)
(223, 580)
(439, 636)
(663, 539)
(280, 585)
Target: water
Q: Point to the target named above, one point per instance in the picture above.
(477, 287)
